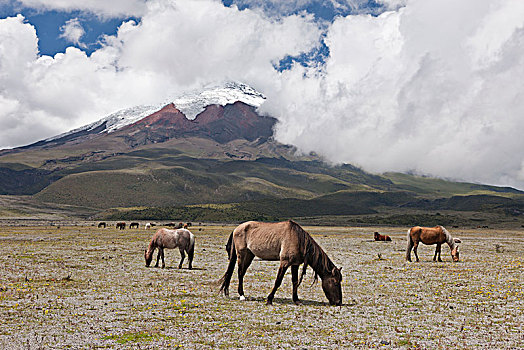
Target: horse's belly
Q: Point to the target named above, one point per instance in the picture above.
(266, 253)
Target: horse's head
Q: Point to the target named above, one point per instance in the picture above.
(455, 254)
(331, 284)
(148, 256)
(376, 235)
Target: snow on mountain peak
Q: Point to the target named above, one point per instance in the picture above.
(194, 103)
(190, 103)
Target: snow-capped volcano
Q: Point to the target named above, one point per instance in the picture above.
(190, 104)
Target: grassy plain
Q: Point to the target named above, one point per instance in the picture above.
(83, 287)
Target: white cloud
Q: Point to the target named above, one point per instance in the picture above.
(420, 89)
(73, 31)
(103, 8)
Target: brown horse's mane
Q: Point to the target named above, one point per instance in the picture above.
(314, 255)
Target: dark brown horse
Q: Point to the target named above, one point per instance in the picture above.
(431, 235)
(288, 243)
(379, 237)
(182, 239)
(121, 225)
(101, 225)
(134, 225)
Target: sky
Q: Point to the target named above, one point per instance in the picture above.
(431, 87)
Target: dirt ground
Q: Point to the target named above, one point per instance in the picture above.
(84, 287)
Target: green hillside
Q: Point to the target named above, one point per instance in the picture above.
(197, 179)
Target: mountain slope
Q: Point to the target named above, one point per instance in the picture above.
(156, 156)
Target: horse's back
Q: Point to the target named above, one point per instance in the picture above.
(428, 235)
(267, 241)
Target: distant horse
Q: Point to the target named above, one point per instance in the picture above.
(147, 226)
(121, 225)
(182, 239)
(379, 237)
(288, 243)
(431, 235)
(102, 225)
(134, 225)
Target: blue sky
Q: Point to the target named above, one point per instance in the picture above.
(432, 87)
(49, 24)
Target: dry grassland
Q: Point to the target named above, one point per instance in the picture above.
(83, 287)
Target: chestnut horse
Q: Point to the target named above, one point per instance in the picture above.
(379, 237)
(288, 243)
(431, 235)
(182, 239)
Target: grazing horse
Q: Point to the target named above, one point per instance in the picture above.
(288, 243)
(379, 237)
(431, 235)
(134, 225)
(101, 225)
(147, 226)
(164, 238)
(121, 225)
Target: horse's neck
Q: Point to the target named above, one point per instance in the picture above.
(319, 261)
(449, 240)
(152, 245)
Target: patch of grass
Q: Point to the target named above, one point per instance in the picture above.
(136, 337)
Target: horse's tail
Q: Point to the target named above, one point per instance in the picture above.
(229, 244)
(409, 245)
(226, 279)
(191, 248)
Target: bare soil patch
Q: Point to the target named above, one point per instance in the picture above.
(83, 287)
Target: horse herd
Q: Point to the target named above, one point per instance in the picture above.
(290, 244)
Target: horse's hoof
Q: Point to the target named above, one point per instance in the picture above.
(242, 297)
(297, 302)
(269, 302)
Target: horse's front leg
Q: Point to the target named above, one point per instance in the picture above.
(163, 261)
(183, 256)
(158, 254)
(439, 247)
(415, 246)
(436, 252)
(294, 279)
(280, 275)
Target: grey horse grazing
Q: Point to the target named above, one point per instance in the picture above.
(164, 238)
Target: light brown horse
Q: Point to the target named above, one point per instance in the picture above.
(164, 238)
(431, 235)
(288, 243)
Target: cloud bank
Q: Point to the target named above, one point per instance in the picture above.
(433, 87)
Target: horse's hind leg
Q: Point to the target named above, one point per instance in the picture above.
(280, 275)
(408, 249)
(415, 247)
(183, 256)
(244, 260)
(294, 279)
